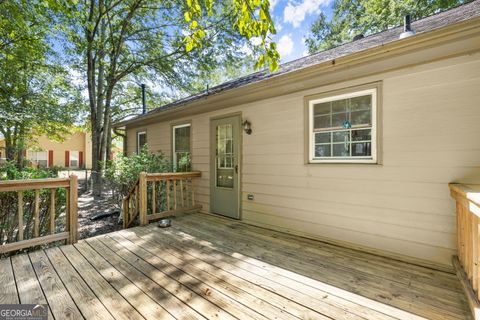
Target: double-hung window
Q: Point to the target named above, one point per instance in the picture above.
(181, 148)
(141, 141)
(38, 157)
(74, 159)
(342, 128)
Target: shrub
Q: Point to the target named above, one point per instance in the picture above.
(9, 171)
(122, 173)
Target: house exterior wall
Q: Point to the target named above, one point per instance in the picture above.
(78, 141)
(429, 136)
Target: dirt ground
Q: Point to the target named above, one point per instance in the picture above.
(87, 208)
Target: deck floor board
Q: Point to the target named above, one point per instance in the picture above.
(172, 304)
(215, 296)
(207, 267)
(348, 276)
(60, 302)
(29, 289)
(86, 301)
(7, 281)
(371, 264)
(264, 301)
(290, 292)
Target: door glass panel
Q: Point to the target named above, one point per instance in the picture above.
(224, 156)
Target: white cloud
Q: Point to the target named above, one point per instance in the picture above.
(256, 41)
(246, 49)
(285, 46)
(273, 3)
(295, 12)
(277, 21)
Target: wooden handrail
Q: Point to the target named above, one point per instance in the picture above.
(70, 234)
(171, 186)
(34, 184)
(172, 175)
(133, 188)
(467, 263)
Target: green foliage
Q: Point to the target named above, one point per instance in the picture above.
(184, 162)
(10, 171)
(251, 18)
(353, 17)
(122, 173)
(35, 91)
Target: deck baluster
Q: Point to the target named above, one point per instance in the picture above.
(20, 215)
(36, 212)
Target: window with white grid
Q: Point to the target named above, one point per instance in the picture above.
(343, 128)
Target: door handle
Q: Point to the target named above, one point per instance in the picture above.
(236, 168)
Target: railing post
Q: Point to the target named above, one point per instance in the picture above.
(466, 265)
(475, 246)
(142, 190)
(72, 210)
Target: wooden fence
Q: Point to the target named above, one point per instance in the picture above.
(158, 195)
(467, 263)
(36, 186)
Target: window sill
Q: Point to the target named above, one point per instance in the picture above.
(344, 163)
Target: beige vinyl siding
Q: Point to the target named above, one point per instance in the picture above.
(429, 137)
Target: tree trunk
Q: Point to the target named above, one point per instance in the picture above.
(107, 123)
(97, 110)
(9, 145)
(109, 143)
(21, 148)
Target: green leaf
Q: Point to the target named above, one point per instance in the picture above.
(263, 16)
(189, 45)
(273, 66)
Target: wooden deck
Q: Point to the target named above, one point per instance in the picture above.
(214, 268)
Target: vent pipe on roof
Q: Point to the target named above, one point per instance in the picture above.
(144, 102)
(407, 28)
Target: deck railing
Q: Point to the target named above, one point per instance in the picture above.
(158, 195)
(467, 263)
(42, 225)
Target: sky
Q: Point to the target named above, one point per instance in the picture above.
(292, 20)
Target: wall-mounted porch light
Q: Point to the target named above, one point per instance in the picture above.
(247, 127)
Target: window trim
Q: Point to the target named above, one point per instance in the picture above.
(138, 139)
(351, 93)
(178, 126)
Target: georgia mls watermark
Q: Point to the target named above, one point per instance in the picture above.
(23, 312)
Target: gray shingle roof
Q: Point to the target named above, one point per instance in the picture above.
(452, 16)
